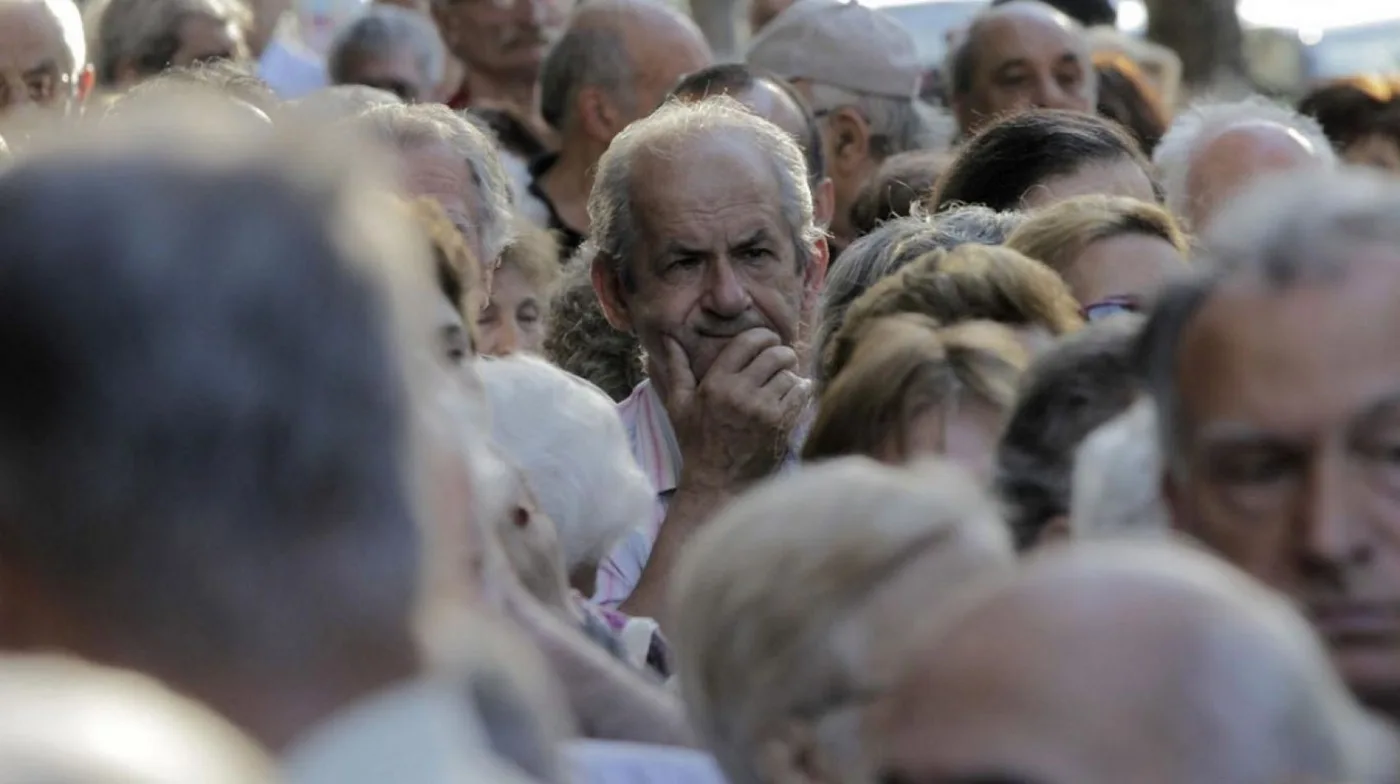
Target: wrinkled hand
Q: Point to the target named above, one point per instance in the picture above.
(734, 425)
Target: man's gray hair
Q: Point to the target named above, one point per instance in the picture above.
(1117, 484)
(586, 56)
(771, 599)
(890, 247)
(1204, 121)
(565, 434)
(383, 30)
(420, 125)
(612, 213)
(896, 124)
(1287, 230)
(144, 34)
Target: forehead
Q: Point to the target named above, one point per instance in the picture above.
(1304, 355)
(1025, 33)
(29, 36)
(1120, 177)
(729, 187)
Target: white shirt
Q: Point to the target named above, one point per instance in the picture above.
(609, 762)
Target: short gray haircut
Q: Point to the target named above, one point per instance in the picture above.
(896, 124)
(565, 434)
(383, 29)
(144, 34)
(586, 56)
(1206, 120)
(1117, 482)
(892, 246)
(420, 125)
(1291, 229)
(771, 598)
(613, 214)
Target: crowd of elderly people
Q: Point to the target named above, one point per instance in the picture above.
(538, 398)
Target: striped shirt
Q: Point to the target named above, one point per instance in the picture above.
(659, 454)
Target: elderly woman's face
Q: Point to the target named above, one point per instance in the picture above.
(716, 255)
(513, 320)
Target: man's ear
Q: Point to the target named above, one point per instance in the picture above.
(598, 116)
(607, 285)
(814, 278)
(850, 135)
(86, 79)
(966, 117)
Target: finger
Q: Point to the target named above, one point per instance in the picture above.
(779, 385)
(743, 349)
(769, 364)
(680, 380)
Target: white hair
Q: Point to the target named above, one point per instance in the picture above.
(1117, 480)
(900, 124)
(410, 127)
(772, 601)
(1204, 121)
(567, 437)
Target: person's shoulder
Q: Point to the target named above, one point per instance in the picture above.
(611, 762)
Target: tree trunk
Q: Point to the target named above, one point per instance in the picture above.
(1206, 34)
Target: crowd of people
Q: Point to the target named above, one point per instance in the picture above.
(525, 393)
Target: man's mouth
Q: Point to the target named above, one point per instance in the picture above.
(1357, 622)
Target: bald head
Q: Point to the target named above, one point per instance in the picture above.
(629, 53)
(1127, 662)
(42, 47)
(1018, 56)
(1238, 156)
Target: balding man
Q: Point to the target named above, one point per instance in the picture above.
(137, 39)
(43, 55)
(1214, 151)
(1276, 381)
(714, 278)
(391, 48)
(859, 70)
(1016, 56)
(774, 99)
(1104, 664)
(614, 65)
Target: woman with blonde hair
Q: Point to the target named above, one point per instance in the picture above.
(1114, 253)
(913, 389)
(968, 283)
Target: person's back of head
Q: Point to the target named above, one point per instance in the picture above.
(1070, 654)
(1008, 162)
(369, 50)
(892, 246)
(793, 601)
(1126, 97)
(227, 328)
(133, 40)
(566, 436)
(579, 338)
(1116, 487)
(901, 183)
(969, 283)
(1361, 117)
(340, 102)
(1070, 390)
(907, 385)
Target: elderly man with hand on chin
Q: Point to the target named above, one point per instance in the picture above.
(713, 277)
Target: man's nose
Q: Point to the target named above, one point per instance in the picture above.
(1050, 95)
(725, 292)
(1334, 533)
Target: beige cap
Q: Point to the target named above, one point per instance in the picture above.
(842, 44)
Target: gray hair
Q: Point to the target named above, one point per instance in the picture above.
(383, 29)
(896, 124)
(585, 56)
(565, 434)
(1204, 121)
(144, 34)
(341, 102)
(420, 125)
(1117, 481)
(892, 246)
(771, 598)
(1288, 230)
(613, 214)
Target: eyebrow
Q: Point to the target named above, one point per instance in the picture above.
(756, 237)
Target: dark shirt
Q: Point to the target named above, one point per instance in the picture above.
(569, 238)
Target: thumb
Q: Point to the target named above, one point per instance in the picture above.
(680, 381)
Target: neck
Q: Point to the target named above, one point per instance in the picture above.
(499, 90)
(279, 705)
(568, 182)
